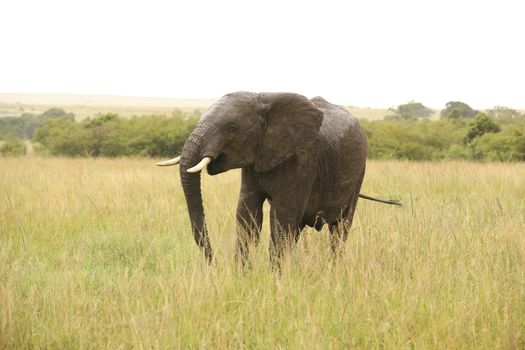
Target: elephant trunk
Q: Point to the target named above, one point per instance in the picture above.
(191, 183)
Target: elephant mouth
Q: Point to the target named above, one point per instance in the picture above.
(217, 165)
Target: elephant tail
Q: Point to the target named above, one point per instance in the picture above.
(390, 201)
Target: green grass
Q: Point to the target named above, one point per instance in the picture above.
(98, 254)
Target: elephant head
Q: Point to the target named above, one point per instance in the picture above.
(243, 129)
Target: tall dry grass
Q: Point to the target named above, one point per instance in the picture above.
(98, 254)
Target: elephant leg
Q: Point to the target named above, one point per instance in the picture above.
(338, 235)
(285, 231)
(249, 217)
(339, 230)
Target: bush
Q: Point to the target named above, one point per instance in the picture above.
(497, 147)
(109, 135)
(13, 147)
(409, 111)
(481, 125)
(412, 140)
(63, 137)
(25, 125)
(455, 109)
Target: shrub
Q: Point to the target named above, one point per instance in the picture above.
(481, 125)
(409, 111)
(109, 135)
(455, 109)
(63, 137)
(13, 147)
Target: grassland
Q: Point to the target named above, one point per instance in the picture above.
(98, 254)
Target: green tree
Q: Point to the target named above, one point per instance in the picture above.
(63, 137)
(98, 130)
(504, 114)
(109, 135)
(409, 111)
(13, 147)
(25, 125)
(462, 108)
(57, 113)
(19, 127)
(455, 114)
(519, 148)
(460, 151)
(497, 147)
(481, 125)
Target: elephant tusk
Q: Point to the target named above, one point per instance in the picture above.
(170, 162)
(202, 164)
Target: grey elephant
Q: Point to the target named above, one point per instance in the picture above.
(306, 157)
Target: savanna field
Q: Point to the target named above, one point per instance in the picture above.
(97, 253)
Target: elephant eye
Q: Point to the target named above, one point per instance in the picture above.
(232, 128)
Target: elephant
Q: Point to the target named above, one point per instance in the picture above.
(306, 157)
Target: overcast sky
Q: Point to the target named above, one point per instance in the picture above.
(364, 53)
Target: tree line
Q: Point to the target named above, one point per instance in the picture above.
(57, 133)
(405, 133)
(497, 134)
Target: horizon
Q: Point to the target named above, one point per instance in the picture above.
(167, 101)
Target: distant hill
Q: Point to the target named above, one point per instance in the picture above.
(377, 113)
(89, 105)
(101, 100)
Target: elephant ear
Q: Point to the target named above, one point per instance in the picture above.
(292, 124)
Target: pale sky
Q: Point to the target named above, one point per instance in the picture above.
(365, 53)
